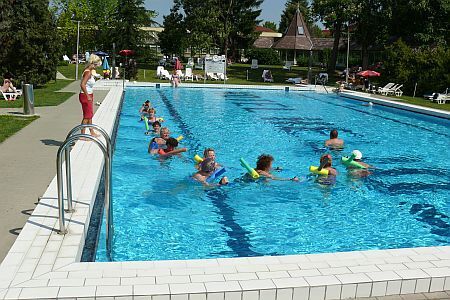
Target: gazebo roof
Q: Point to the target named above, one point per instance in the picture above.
(297, 36)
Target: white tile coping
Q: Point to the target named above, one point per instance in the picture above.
(396, 104)
(44, 265)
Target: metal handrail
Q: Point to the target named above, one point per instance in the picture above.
(107, 169)
(68, 171)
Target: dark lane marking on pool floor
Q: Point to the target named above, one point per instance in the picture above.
(238, 240)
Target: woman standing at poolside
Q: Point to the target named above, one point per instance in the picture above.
(86, 96)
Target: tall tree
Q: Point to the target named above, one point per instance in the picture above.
(239, 19)
(173, 38)
(422, 22)
(270, 25)
(34, 46)
(289, 11)
(130, 16)
(201, 23)
(334, 14)
(371, 12)
(6, 34)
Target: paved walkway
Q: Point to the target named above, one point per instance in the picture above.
(28, 162)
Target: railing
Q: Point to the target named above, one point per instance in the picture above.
(107, 153)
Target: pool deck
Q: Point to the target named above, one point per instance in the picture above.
(28, 162)
(45, 265)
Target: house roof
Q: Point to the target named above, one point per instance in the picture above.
(297, 36)
(263, 29)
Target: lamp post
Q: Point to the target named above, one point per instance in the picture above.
(348, 52)
(78, 46)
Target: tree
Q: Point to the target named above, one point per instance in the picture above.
(239, 24)
(270, 25)
(426, 22)
(289, 11)
(130, 16)
(34, 45)
(334, 14)
(6, 34)
(173, 38)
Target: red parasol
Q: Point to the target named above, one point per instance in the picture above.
(368, 73)
(126, 52)
(178, 65)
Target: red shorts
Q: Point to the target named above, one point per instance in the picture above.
(87, 106)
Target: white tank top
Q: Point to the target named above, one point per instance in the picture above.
(90, 85)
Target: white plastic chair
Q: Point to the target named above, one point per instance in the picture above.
(211, 76)
(288, 65)
(166, 75)
(254, 64)
(159, 69)
(188, 75)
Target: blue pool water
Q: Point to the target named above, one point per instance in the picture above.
(160, 214)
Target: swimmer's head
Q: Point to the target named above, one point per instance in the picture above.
(156, 125)
(147, 103)
(208, 165)
(152, 111)
(370, 104)
(209, 153)
(326, 161)
(171, 144)
(165, 133)
(333, 134)
(264, 162)
(358, 155)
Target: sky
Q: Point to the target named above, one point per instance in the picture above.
(271, 9)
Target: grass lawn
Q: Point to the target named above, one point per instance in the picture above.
(423, 102)
(69, 70)
(11, 124)
(237, 74)
(46, 95)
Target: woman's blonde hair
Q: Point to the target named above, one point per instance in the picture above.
(93, 60)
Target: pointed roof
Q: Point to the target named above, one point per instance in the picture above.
(297, 36)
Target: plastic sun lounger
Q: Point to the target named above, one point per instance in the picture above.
(11, 96)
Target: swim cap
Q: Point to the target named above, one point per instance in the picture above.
(357, 154)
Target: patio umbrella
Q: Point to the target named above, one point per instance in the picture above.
(126, 52)
(368, 73)
(105, 65)
(101, 53)
(178, 65)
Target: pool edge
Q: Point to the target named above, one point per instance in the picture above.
(36, 267)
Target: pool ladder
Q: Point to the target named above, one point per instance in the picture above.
(107, 153)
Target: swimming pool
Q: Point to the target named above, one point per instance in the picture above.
(160, 214)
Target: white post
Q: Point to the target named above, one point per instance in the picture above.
(348, 52)
(78, 45)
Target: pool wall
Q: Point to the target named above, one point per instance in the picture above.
(45, 265)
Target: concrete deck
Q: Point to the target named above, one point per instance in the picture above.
(28, 162)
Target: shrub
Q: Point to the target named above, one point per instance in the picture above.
(429, 67)
(264, 56)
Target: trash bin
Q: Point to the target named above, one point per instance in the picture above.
(28, 99)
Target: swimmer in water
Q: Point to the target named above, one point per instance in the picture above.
(326, 163)
(143, 111)
(171, 148)
(207, 168)
(355, 172)
(208, 153)
(264, 167)
(156, 127)
(159, 142)
(334, 141)
(368, 104)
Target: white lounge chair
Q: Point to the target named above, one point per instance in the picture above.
(384, 90)
(254, 64)
(296, 80)
(440, 98)
(159, 69)
(397, 90)
(288, 65)
(166, 75)
(188, 75)
(11, 96)
(267, 76)
(211, 76)
(222, 76)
